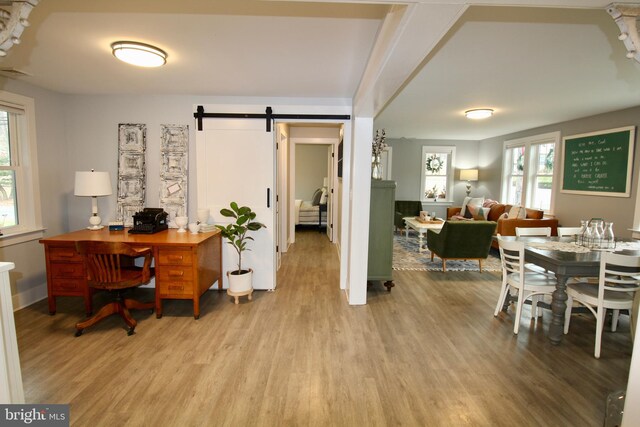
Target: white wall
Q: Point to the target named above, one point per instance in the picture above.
(571, 208)
(28, 279)
(311, 169)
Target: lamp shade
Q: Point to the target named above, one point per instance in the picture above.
(469, 175)
(91, 183)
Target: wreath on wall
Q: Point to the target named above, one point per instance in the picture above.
(434, 164)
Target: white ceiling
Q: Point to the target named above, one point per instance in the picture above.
(533, 66)
(223, 48)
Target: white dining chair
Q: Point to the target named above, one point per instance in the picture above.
(617, 284)
(533, 231)
(528, 284)
(568, 231)
(541, 232)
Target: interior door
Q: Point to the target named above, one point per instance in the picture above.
(235, 162)
(330, 192)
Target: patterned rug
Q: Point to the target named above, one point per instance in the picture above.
(407, 257)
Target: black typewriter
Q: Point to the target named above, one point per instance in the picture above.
(149, 221)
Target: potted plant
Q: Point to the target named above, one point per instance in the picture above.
(240, 280)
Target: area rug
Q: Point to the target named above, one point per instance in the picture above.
(407, 257)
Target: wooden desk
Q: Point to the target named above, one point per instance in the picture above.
(186, 264)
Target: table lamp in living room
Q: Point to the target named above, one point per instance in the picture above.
(93, 184)
(469, 175)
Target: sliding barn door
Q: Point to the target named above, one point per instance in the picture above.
(235, 162)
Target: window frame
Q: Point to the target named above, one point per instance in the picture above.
(450, 150)
(530, 171)
(29, 217)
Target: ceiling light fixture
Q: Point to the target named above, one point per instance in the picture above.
(479, 113)
(140, 54)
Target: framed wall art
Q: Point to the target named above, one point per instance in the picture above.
(598, 163)
(174, 153)
(132, 179)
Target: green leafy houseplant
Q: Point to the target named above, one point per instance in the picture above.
(236, 232)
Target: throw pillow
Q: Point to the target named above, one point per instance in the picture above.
(468, 212)
(517, 212)
(469, 201)
(478, 213)
(315, 200)
(323, 197)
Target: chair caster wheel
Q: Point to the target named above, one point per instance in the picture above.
(131, 331)
(78, 332)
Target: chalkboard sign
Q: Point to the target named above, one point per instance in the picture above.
(599, 163)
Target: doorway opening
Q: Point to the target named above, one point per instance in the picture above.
(309, 189)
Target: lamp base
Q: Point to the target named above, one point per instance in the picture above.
(95, 221)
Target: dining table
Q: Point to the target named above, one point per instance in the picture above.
(565, 259)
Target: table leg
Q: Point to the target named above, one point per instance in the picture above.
(406, 231)
(558, 307)
(420, 237)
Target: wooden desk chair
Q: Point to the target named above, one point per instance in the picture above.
(110, 267)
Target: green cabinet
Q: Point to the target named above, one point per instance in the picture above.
(381, 216)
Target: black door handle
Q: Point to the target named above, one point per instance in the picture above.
(268, 197)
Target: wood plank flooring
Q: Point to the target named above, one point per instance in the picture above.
(430, 353)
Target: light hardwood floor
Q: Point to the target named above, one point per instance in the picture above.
(430, 353)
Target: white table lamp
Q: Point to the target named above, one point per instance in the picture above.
(93, 184)
(469, 175)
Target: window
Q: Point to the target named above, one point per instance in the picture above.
(19, 196)
(437, 173)
(527, 175)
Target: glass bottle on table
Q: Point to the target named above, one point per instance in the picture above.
(608, 237)
(595, 235)
(580, 236)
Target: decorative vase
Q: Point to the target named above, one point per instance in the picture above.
(376, 168)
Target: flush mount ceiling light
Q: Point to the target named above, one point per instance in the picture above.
(479, 113)
(140, 54)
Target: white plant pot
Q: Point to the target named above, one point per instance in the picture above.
(240, 284)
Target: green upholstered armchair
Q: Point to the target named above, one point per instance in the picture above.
(405, 208)
(461, 240)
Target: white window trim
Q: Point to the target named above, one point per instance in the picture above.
(30, 215)
(528, 173)
(451, 151)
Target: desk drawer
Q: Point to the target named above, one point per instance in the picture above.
(171, 273)
(68, 286)
(175, 289)
(67, 270)
(64, 253)
(174, 257)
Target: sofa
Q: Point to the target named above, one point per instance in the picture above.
(461, 240)
(404, 208)
(507, 226)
